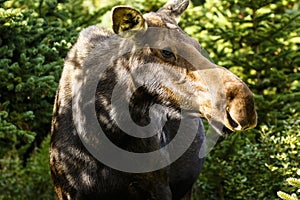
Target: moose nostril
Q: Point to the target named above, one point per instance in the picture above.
(232, 123)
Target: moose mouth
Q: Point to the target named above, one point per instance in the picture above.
(227, 128)
(226, 131)
(219, 126)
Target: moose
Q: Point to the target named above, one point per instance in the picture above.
(144, 83)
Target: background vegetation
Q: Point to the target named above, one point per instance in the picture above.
(257, 40)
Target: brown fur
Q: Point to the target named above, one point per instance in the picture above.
(184, 80)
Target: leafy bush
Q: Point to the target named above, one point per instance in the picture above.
(258, 41)
(35, 36)
(239, 167)
(32, 182)
(31, 57)
(30, 66)
(294, 182)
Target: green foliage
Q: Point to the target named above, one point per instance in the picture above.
(293, 182)
(258, 41)
(28, 76)
(35, 37)
(32, 182)
(240, 167)
(31, 57)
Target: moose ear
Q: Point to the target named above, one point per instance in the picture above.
(127, 21)
(175, 8)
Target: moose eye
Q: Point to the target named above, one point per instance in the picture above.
(167, 53)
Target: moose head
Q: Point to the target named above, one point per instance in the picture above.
(179, 71)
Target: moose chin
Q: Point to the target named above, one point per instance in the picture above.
(145, 83)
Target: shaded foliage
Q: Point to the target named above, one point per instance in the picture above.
(35, 36)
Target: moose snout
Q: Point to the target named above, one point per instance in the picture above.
(229, 103)
(238, 119)
(240, 110)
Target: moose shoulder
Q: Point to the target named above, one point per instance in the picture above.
(148, 86)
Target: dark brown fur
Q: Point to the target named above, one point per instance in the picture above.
(76, 173)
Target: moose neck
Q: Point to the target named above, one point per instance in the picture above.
(139, 106)
(130, 111)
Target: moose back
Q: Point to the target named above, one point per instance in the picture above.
(143, 90)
